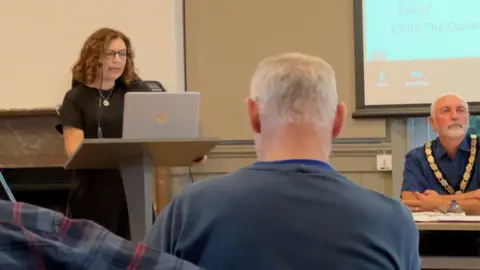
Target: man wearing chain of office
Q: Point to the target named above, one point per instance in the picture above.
(444, 175)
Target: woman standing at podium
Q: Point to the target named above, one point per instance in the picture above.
(93, 108)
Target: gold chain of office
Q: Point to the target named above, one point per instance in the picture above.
(466, 174)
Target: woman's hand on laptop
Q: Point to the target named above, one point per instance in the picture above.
(200, 161)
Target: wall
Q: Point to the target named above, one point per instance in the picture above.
(43, 39)
(226, 39)
(356, 161)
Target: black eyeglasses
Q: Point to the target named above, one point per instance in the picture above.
(110, 54)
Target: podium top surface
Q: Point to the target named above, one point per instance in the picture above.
(112, 153)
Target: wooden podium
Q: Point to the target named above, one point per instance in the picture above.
(137, 159)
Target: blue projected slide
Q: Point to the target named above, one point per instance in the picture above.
(422, 29)
(433, 45)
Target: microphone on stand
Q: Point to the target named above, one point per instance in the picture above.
(99, 126)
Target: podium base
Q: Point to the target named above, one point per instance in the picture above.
(138, 175)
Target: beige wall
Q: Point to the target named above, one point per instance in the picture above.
(225, 40)
(355, 161)
(42, 40)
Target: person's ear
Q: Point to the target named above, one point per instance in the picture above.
(253, 114)
(431, 121)
(339, 120)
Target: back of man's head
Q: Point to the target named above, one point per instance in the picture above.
(294, 95)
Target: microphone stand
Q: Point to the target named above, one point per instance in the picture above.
(99, 127)
(7, 189)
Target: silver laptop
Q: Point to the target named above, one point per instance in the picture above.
(160, 115)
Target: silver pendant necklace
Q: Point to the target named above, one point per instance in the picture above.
(105, 102)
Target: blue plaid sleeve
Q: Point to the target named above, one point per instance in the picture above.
(38, 238)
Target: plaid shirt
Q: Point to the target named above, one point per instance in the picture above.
(36, 238)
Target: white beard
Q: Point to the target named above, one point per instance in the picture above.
(455, 132)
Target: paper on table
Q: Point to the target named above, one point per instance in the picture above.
(437, 216)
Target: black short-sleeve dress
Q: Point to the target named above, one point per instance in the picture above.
(98, 195)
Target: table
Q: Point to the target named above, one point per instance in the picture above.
(444, 262)
(448, 226)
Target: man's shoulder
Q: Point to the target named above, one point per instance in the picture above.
(383, 220)
(399, 224)
(209, 185)
(389, 207)
(416, 153)
(390, 224)
(394, 214)
(208, 192)
(416, 158)
(378, 207)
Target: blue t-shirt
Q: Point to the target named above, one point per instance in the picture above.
(418, 176)
(297, 214)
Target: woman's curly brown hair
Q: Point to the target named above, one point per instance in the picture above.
(86, 67)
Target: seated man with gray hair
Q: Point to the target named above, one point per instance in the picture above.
(444, 175)
(291, 209)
